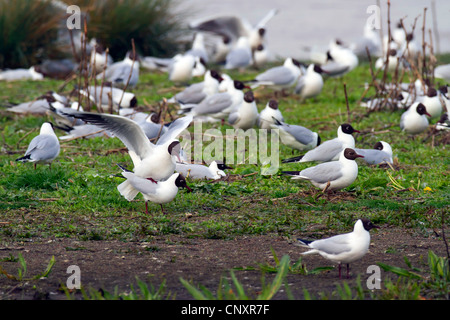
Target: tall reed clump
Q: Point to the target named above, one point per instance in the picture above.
(28, 32)
(152, 24)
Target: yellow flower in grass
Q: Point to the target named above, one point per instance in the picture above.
(427, 189)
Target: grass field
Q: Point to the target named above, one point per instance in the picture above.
(77, 199)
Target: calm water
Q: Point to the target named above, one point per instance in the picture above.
(315, 23)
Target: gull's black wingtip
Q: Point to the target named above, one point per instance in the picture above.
(290, 173)
(303, 241)
(290, 160)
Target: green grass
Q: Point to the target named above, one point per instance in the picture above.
(81, 186)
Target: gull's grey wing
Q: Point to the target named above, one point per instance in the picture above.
(233, 118)
(141, 184)
(278, 75)
(43, 147)
(229, 26)
(85, 131)
(192, 94)
(39, 107)
(127, 130)
(374, 156)
(334, 69)
(324, 152)
(213, 104)
(334, 245)
(323, 172)
(121, 73)
(175, 129)
(301, 134)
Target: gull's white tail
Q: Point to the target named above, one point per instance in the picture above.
(127, 190)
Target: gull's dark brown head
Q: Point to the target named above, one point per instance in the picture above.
(273, 104)
(347, 128)
(351, 154)
(180, 182)
(249, 97)
(368, 225)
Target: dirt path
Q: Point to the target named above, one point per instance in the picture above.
(110, 264)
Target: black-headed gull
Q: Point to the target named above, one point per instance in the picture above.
(310, 84)
(394, 61)
(161, 193)
(295, 136)
(340, 60)
(245, 115)
(432, 102)
(153, 161)
(101, 96)
(123, 72)
(279, 77)
(43, 148)
(100, 59)
(219, 105)
(199, 171)
(333, 175)
(40, 105)
(268, 115)
(381, 153)
(343, 248)
(331, 149)
(261, 56)
(233, 27)
(181, 68)
(414, 120)
(197, 92)
(443, 123)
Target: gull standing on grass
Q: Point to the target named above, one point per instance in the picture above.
(269, 114)
(333, 175)
(344, 248)
(217, 106)
(245, 115)
(310, 84)
(295, 136)
(119, 72)
(414, 120)
(381, 153)
(330, 150)
(161, 193)
(197, 92)
(44, 148)
(280, 77)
